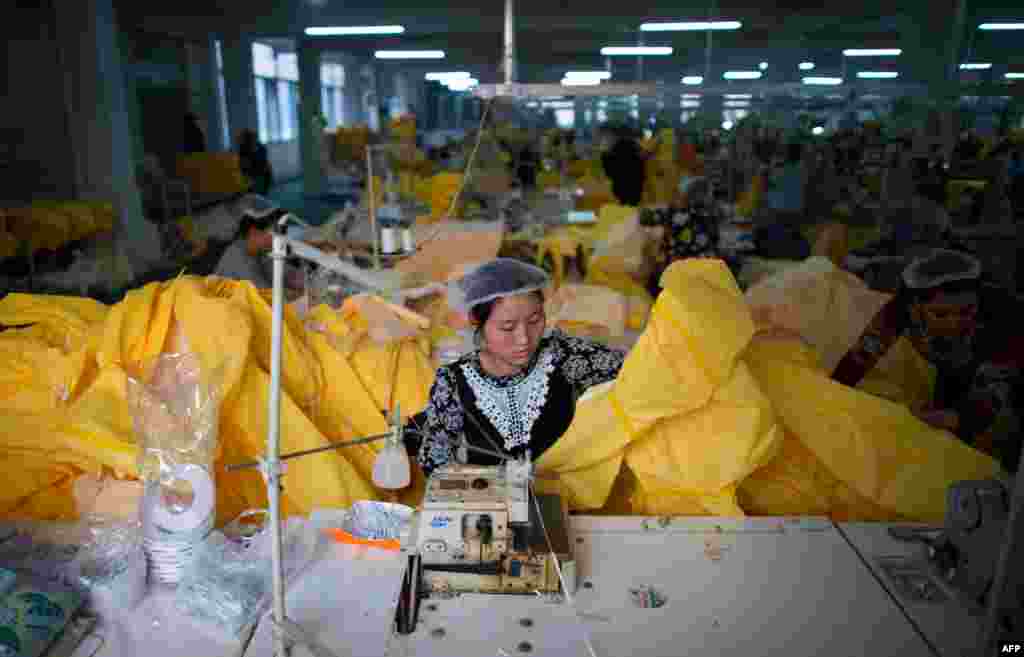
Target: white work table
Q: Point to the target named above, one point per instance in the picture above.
(947, 625)
(792, 587)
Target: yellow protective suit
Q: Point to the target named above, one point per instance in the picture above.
(707, 419)
(333, 386)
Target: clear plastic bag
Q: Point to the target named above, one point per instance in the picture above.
(229, 582)
(110, 564)
(175, 413)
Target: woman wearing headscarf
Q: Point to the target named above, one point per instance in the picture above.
(517, 390)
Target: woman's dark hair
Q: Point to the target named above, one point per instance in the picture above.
(481, 312)
(262, 223)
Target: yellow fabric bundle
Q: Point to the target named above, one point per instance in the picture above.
(404, 127)
(212, 173)
(53, 224)
(443, 188)
(63, 406)
(709, 419)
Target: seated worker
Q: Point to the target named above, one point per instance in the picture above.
(968, 337)
(517, 390)
(247, 258)
(784, 198)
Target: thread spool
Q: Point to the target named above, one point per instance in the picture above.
(408, 245)
(173, 528)
(389, 240)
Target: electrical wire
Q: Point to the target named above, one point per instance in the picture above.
(569, 600)
(467, 173)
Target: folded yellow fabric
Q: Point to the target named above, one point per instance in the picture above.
(212, 173)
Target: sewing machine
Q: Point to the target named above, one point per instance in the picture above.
(479, 530)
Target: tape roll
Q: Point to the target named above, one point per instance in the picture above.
(196, 514)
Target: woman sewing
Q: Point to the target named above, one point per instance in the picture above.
(517, 390)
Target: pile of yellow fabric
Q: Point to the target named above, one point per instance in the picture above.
(709, 417)
(64, 412)
(212, 173)
(403, 127)
(350, 143)
(53, 224)
(443, 188)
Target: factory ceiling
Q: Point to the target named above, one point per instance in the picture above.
(556, 35)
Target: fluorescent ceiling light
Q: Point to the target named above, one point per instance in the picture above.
(693, 80)
(692, 26)
(975, 66)
(736, 103)
(763, 66)
(806, 66)
(823, 81)
(873, 52)
(727, 125)
(691, 96)
(742, 75)
(877, 75)
(738, 96)
(587, 75)
(580, 82)
(559, 104)
(462, 85)
(638, 51)
(690, 104)
(818, 130)
(352, 31)
(1001, 26)
(409, 54)
(452, 75)
(1015, 76)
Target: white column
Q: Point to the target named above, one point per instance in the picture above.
(99, 122)
(310, 132)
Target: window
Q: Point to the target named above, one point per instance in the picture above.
(277, 93)
(332, 86)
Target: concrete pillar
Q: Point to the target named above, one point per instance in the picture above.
(215, 124)
(239, 84)
(310, 133)
(402, 94)
(99, 121)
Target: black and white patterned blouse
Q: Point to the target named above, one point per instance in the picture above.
(531, 409)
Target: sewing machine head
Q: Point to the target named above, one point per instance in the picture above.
(479, 530)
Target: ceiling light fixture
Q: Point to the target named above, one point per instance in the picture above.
(409, 54)
(763, 66)
(462, 85)
(736, 103)
(587, 75)
(877, 75)
(691, 26)
(354, 31)
(818, 130)
(636, 51)
(690, 104)
(452, 75)
(727, 125)
(742, 75)
(1014, 76)
(1001, 26)
(738, 96)
(824, 82)
(976, 66)
(806, 66)
(872, 52)
(693, 80)
(691, 96)
(580, 82)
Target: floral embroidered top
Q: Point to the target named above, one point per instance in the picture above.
(527, 410)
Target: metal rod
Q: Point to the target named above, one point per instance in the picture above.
(373, 207)
(510, 41)
(315, 450)
(273, 459)
(1002, 592)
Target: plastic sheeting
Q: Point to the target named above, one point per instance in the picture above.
(706, 419)
(64, 412)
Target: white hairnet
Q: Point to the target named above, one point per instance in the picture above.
(940, 267)
(501, 277)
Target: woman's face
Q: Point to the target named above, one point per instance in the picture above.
(514, 329)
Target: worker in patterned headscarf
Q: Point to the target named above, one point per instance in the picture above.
(517, 390)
